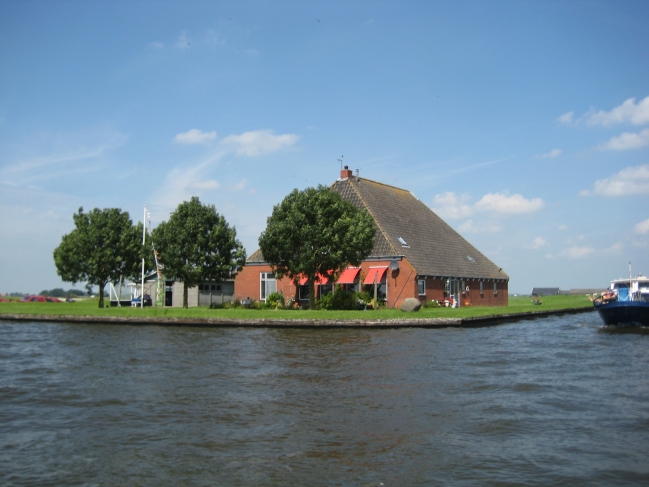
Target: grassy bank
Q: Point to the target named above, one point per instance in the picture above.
(88, 307)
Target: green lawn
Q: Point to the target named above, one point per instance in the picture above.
(88, 307)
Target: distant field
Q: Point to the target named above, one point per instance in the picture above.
(88, 307)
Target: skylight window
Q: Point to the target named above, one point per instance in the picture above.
(471, 259)
(403, 242)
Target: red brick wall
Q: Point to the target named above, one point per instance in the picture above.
(401, 284)
(246, 284)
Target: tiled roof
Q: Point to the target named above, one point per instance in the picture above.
(430, 244)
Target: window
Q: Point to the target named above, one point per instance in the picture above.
(481, 287)
(495, 288)
(421, 286)
(303, 293)
(267, 285)
(464, 289)
(403, 243)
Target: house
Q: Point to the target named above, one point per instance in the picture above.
(416, 254)
(544, 291)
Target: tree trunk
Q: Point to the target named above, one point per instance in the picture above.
(101, 294)
(311, 293)
(185, 294)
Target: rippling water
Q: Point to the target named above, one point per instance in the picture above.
(559, 401)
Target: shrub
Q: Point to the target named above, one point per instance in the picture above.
(218, 305)
(431, 304)
(341, 299)
(275, 300)
(291, 303)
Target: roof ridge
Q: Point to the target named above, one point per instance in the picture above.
(360, 197)
(386, 185)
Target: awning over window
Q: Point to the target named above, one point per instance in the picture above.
(318, 280)
(379, 272)
(349, 275)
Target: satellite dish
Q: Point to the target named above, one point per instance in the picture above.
(394, 265)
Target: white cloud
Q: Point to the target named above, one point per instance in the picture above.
(451, 205)
(552, 154)
(183, 42)
(563, 227)
(616, 247)
(642, 228)
(195, 136)
(576, 252)
(629, 181)
(627, 140)
(537, 243)
(514, 204)
(205, 185)
(241, 185)
(156, 45)
(469, 227)
(566, 117)
(629, 111)
(259, 142)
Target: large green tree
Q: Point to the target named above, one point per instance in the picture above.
(104, 246)
(314, 232)
(197, 244)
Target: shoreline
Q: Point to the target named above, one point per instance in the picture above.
(295, 323)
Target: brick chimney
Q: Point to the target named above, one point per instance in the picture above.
(346, 173)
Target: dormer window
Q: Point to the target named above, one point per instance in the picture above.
(403, 243)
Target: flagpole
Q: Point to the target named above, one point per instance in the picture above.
(143, 242)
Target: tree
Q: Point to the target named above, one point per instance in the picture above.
(104, 246)
(315, 232)
(197, 244)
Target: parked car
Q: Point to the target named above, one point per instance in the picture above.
(135, 302)
(38, 299)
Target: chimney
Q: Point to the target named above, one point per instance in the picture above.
(346, 173)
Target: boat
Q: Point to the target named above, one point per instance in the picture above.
(626, 303)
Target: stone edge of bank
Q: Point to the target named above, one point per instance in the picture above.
(296, 323)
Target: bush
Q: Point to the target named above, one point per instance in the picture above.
(291, 303)
(432, 304)
(341, 299)
(218, 305)
(275, 300)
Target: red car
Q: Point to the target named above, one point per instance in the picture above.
(39, 299)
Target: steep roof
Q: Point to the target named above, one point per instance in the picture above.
(429, 243)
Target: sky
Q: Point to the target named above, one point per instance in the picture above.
(524, 124)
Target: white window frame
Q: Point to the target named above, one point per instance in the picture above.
(421, 287)
(264, 279)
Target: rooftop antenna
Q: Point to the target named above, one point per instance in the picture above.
(341, 162)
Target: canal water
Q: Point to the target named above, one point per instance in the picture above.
(552, 401)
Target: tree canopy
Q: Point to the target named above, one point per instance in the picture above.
(104, 246)
(197, 244)
(316, 232)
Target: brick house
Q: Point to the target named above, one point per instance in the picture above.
(416, 254)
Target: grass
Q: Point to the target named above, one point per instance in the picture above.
(89, 307)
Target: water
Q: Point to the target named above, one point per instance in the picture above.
(553, 401)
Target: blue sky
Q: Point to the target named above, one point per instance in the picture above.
(524, 124)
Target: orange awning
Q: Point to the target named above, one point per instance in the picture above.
(318, 280)
(379, 272)
(349, 275)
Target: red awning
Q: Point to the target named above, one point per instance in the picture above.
(349, 275)
(318, 280)
(379, 272)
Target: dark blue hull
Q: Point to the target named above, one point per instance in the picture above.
(624, 313)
